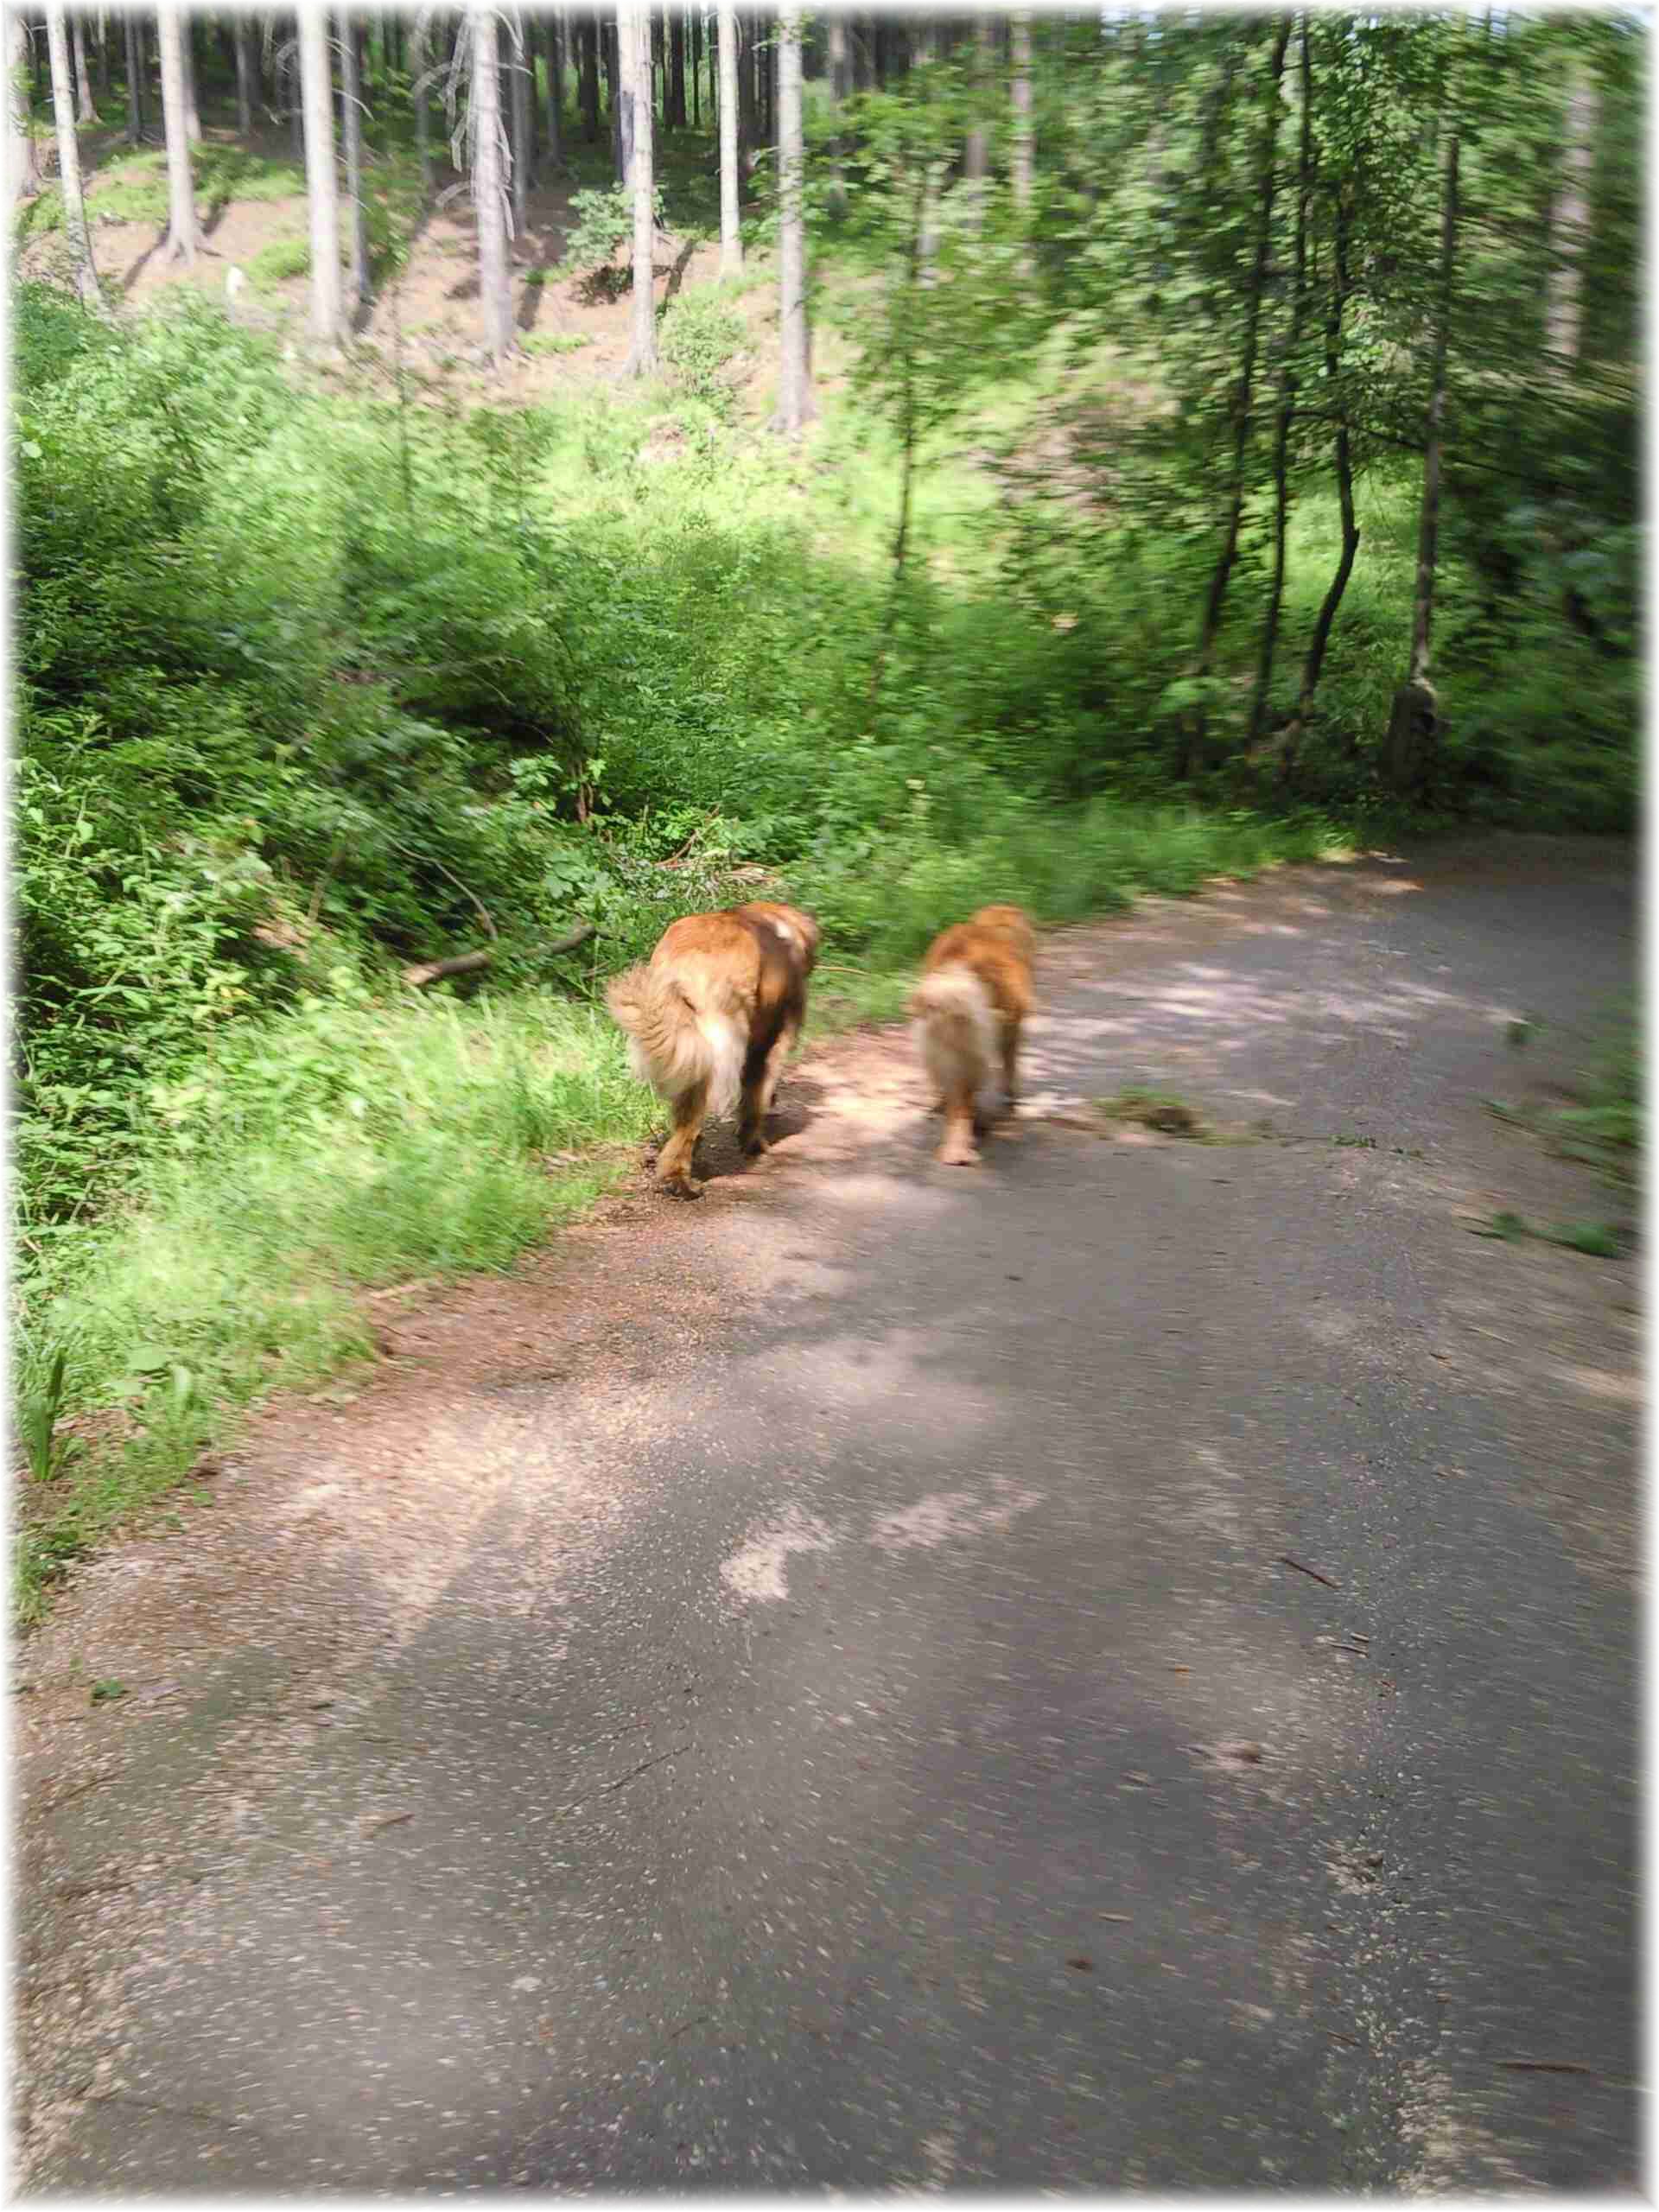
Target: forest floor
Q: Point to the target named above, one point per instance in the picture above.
(1114, 1669)
(570, 334)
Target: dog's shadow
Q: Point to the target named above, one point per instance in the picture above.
(793, 1112)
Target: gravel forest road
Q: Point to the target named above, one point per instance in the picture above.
(810, 1689)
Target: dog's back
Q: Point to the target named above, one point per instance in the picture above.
(971, 1003)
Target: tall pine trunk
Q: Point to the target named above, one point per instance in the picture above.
(675, 102)
(420, 91)
(75, 200)
(696, 64)
(25, 161)
(135, 38)
(1023, 162)
(86, 107)
(731, 238)
(1343, 461)
(794, 388)
(351, 116)
(1288, 391)
(181, 186)
(321, 180)
(191, 112)
(588, 41)
(839, 75)
(1569, 223)
(519, 122)
(636, 62)
(246, 79)
(1414, 719)
(1243, 395)
(489, 188)
(554, 123)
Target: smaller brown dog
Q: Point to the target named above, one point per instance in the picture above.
(971, 1003)
(710, 1018)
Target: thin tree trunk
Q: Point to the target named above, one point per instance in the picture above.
(1244, 403)
(676, 65)
(74, 203)
(296, 93)
(909, 435)
(1344, 470)
(731, 238)
(181, 186)
(977, 150)
(241, 31)
(623, 98)
(135, 39)
(611, 74)
(420, 92)
(102, 54)
(1022, 167)
(636, 62)
(322, 181)
(86, 109)
(1569, 224)
(588, 40)
(351, 116)
(794, 388)
(519, 104)
(191, 112)
(489, 188)
(554, 100)
(840, 84)
(1288, 388)
(25, 161)
(1413, 722)
(696, 64)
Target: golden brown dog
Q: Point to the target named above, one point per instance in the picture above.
(710, 1019)
(971, 1003)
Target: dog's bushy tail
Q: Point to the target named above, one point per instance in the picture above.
(958, 1025)
(674, 1044)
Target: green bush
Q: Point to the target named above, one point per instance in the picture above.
(702, 340)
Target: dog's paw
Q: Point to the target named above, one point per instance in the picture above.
(680, 1186)
(957, 1155)
(752, 1148)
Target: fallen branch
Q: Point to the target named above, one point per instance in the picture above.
(1285, 1560)
(469, 963)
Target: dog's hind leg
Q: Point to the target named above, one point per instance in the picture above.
(1011, 1060)
(674, 1161)
(958, 1150)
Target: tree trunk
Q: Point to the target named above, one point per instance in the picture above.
(520, 104)
(1345, 469)
(554, 92)
(420, 92)
(748, 98)
(1569, 224)
(1022, 167)
(322, 184)
(1288, 388)
(794, 387)
(642, 343)
(587, 40)
(489, 188)
(1413, 722)
(839, 74)
(181, 186)
(85, 111)
(351, 116)
(1244, 393)
(611, 97)
(25, 163)
(731, 238)
(677, 66)
(135, 37)
(241, 31)
(191, 112)
(74, 203)
(102, 54)
(976, 149)
(296, 93)
(623, 98)
(696, 64)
